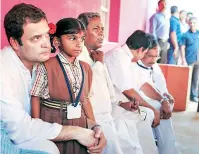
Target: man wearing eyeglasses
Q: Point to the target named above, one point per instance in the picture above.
(155, 92)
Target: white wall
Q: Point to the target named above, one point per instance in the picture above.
(132, 17)
(187, 5)
(135, 14)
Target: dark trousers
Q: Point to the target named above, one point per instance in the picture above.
(163, 51)
(195, 81)
(170, 58)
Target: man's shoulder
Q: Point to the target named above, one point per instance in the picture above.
(6, 52)
(6, 59)
(174, 20)
(108, 46)
(152, 17)
(157, 68)
(114, 52)
(156, 65)
(188, 34)
(156, 15)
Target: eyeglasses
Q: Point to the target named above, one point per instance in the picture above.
(152, 57)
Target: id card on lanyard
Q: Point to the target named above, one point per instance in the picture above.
(73, 109)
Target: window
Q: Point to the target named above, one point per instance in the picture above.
(104, 13)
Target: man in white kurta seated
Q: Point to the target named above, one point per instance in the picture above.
(103, 92)
(160, 99)
(119, 63)
(27, 32)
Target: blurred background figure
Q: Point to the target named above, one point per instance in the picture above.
(175, 36)
(183, 24)
(190, 56)
(159, 27)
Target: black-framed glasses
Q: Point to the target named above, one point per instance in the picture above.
(152, 57)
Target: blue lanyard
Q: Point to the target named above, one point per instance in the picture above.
(74, 102)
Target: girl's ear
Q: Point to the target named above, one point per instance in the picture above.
(56, 42)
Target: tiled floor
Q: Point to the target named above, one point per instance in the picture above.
(186, 127)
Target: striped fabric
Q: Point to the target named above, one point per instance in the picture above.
(73, 71)
(55, 104)
(7, 147)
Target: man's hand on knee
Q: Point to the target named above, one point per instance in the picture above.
(99, 135)
(156, 120)
(86, 137)
(170, 98)
(165, 111)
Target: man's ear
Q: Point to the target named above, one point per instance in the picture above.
(14, 44)
(139, 50)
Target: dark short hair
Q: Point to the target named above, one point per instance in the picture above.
(182, 11)
(174, 9)
(153, 43)
(160, 1)
(189, 13)
(86, 16)
(69, 26)
(18, 16)
(137, 40)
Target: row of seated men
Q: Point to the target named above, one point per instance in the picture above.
(121, 88)
(122, 73)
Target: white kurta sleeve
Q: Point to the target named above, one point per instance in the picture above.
(21, 127)
(100, 71)
(110, 86)
(98, 68)
(120, 71)
(139, 77)
(159, 79)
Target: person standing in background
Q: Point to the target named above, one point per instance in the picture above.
(189, 15)
(175, 36)
(190, 55)
(159, 27)
(183, 24)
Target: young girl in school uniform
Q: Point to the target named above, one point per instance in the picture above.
(61, 89)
